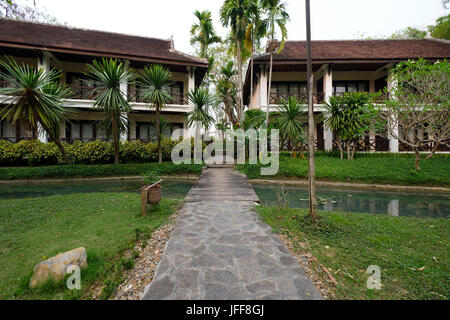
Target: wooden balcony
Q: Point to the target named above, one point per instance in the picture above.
(276, 98)
(177, 98)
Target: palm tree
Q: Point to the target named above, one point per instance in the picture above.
(203, 32)
(155, 82)
(36, 97)
(200, 98)
(276, 16)
(256, 30)
(289, 116)
(335, 118)
(236, 14)
(108, 75)
(253, 119)
(226, 91)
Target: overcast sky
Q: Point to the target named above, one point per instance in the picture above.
(330, 19)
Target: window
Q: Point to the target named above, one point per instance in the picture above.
(283, 90)
(340, 87)
(9, 132)
(146, 131)
(81, 85)
(84, 130)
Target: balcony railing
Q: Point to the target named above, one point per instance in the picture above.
(82, 92)
(177, 98)
(276, 98)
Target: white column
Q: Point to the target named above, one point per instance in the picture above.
(124, 90)
(191, 80)
(263, 87)
(43, 63)
(393, 140)
(328, 92)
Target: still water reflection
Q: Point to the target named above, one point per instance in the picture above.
(365, 201)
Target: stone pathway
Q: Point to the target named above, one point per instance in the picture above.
(220, 249)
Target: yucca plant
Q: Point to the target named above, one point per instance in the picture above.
(289, 117)
(108, 75)
(254, 118)
(35, 96)
(201, 99)
(155, 83)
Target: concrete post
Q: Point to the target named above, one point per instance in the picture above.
(393, 140)
(124, 90)
(328, 92)
(263, 87)
(191, 80)
(44, 64)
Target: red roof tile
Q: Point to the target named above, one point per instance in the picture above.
(331, 50)
(46, 36)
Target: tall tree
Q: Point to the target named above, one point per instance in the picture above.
(203, 33)
(36, 97)
(236, 14)
(109, 97)
(276, 16)
(256, 30)
(155, 82)
(311, 158)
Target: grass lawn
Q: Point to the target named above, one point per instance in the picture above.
(79, 170)
(386, 169)
(106, 224)
(413, 253)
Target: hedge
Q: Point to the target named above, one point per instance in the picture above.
(36, 153)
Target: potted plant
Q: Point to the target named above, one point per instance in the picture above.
(151, 191)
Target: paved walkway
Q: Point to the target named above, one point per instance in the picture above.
(220, 249)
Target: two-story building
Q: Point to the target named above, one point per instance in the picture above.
(338, 66)
(70, 50)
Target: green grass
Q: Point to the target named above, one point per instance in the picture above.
(101, 170)
(351, 242)
(106, 224)
(380, 169)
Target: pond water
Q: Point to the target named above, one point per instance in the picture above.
(364, 201)
(172, 188)
(330, 199)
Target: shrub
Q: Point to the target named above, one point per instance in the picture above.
(36, 153)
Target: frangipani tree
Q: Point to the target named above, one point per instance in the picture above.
(416, 110)
(35, 96)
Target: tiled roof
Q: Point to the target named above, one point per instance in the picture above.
(82, 41)
(332, 50)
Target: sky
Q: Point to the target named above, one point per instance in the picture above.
(330, 19)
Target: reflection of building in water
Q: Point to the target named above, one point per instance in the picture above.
(372, 206)
(328, 206)
(393, 208)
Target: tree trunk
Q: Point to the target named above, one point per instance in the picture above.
(417, 160)
(241, 102)
(158, 135)
(115, 139)
(348, 150)
(57, 142)
(251, 77)
(436, 145)
(353, 150)
(341, 149)
(268, 89)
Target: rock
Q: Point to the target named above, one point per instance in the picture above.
(55, 267)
